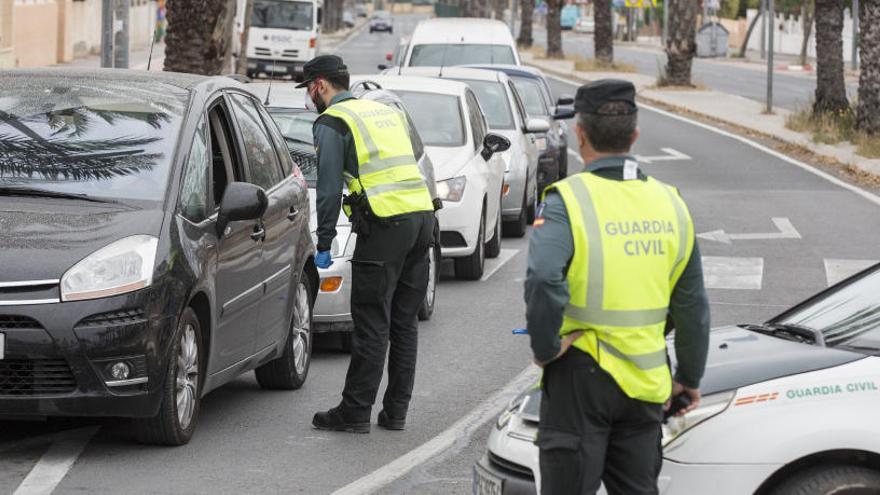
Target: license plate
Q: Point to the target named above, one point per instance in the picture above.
(2, 345)
(485, 483)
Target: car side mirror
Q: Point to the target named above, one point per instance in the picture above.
(493, 143)
(565, 100)
(241, 201)
(563, 113)
(535, 126)
(320, 16)
(382, 67)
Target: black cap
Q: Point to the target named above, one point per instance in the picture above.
(591, 97)
(322, 66)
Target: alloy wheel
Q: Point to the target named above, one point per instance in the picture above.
(187, 386)
(301, 332)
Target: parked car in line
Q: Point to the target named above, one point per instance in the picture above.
(533, 88)
(382, 21)
(585, 25)
(394, 58)
(448, 41)
(171, 228)
(361, 10)
(569, 16)
(467, 165)
(789, 406)
(506, 115)
(348, 18)
(332, 312)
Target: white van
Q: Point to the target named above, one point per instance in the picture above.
(451, 41)
(283, 36)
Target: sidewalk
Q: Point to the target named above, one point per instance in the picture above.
(731, 109)
(137, 59)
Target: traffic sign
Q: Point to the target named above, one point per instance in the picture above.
(640, 4)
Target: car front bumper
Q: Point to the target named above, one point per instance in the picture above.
(381, 27)
(332, 311)
(513, 481)
(275, 67)
(719, 479)
(57, 356)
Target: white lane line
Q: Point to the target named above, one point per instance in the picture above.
(837, 270)
(56, 462)
(809, 168)
(725, 272)
(493, 266)
(463, 428)
(671, 155)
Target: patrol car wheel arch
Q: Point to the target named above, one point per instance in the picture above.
(825, 473)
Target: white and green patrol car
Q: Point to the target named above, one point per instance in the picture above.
(791, 406)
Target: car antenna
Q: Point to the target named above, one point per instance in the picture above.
(443, 60)
(152, 42)
(269, 90)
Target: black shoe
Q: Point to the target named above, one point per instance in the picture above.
(389, 423)
(334, 420)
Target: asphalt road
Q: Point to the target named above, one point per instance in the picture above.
(250, 440)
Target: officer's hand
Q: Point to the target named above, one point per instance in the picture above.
(322, 259)
(563, 347)
(692, 393)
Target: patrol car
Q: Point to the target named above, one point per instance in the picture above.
(788, 405)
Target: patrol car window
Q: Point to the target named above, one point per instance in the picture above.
(437, 117)
(194, 189)
(494, 102)
(265, 171)
(848, 316)
(442, 54)
(532, 96)
(282, 14)
(477, 121)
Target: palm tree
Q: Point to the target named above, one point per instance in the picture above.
(554, 29)
(830, 86)
(868, 113)
(603, 32)
(681, 44)
(527, 8)
(199, 35)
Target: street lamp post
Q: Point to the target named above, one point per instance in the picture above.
(762, 11)
(107, 33)
(771, 8)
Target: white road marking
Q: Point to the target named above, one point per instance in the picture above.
(837, 270)
(809, 168)
(462, 428)
(725, 272)
(56, 462)
(786, 231)
(493, 265)
(671, 155)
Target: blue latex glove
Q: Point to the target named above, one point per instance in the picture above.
(322, 259)
(520, 331)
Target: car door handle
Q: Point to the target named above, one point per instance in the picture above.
(292, 213)
(259, 233)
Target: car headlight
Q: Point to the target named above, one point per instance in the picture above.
(451, 189)
(711, 405)
(123, 266)
(337, 247)
(541, 143)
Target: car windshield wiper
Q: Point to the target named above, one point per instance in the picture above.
(42, 193)
(788, 330)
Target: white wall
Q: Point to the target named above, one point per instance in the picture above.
(789, 36)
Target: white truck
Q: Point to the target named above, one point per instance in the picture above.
(283, 36)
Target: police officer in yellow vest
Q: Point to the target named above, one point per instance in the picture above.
(365, 146)
(613, 254)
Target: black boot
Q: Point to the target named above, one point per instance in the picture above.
(389, 423)
(335, 420)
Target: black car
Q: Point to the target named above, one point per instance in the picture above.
(536, 97)
(154, 244)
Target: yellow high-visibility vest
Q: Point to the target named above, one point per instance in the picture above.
(388, 172)
(632, 241)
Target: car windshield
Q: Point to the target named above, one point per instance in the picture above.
(848, 315)
(493, 100)
(86, 137)
(436, 55)
(531, 95)
(282, 14)
(297, 130)
(437, 117)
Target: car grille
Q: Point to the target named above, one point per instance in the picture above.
(262, 52)
(510, 467)
(114, 319)
(18, 322)
(35, 377)
(290, 53)
(304, 159)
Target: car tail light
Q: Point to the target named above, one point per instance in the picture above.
(312, 42)
(331, 284)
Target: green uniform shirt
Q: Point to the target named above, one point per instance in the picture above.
(546, 290)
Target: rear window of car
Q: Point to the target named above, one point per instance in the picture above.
(96, 138)
(435, 55)
(532, 96)
(493, 100)
(437, 117)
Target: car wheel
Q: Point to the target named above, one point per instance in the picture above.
(471, 267)
(828, 480)
(493, 247)
(533, 206)
(179, 410)
(517, 228)
(289, 371)
(427, 308)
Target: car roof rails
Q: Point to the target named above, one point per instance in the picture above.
(366, 85)
(240, 78)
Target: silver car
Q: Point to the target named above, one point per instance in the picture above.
(332, 311)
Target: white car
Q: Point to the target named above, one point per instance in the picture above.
(448, 41)
(467, 165)
(505, 112)
(585, 25)
(789, 407)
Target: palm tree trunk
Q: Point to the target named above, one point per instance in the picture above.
(199, 35)
(527, 12)
(603, 32)
(830, 87)
(807, 20)
(681, 45)
(243, 45)
(554, 29)
(868, 116)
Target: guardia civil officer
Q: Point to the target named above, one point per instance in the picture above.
(365, 146)
(612, 254)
